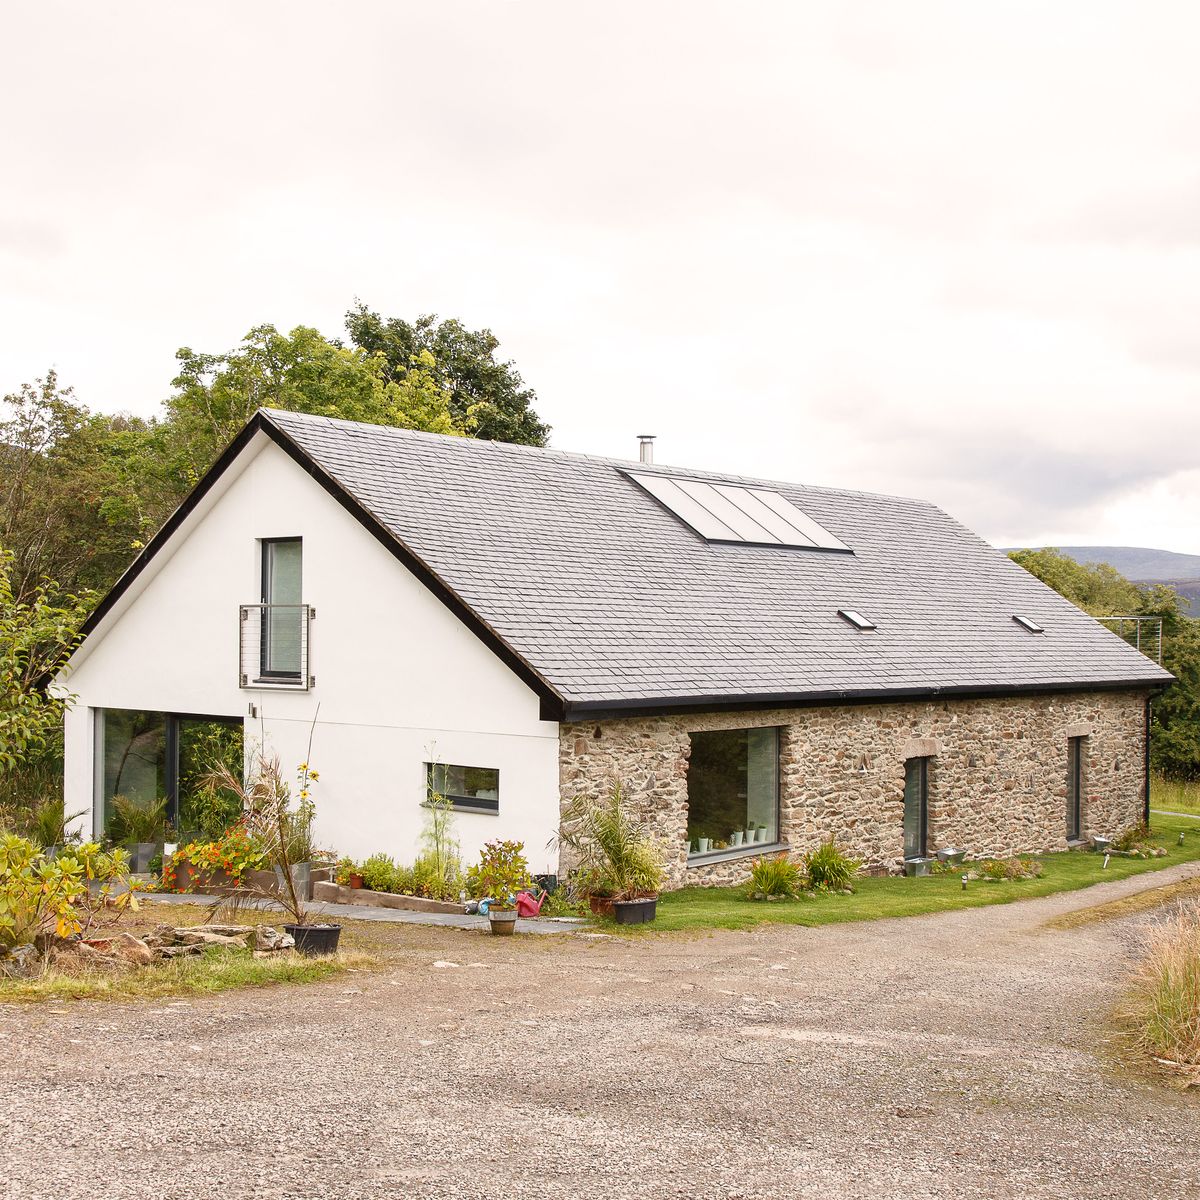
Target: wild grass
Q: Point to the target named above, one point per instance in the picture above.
(1164, 1004)
(217, 970)
(1175, 795)
(729, 908)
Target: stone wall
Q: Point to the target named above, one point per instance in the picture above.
(997, 773)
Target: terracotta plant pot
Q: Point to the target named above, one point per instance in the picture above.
(502, 921)
(356, 882)
(601, 906)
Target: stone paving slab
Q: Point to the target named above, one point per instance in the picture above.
(358, 912)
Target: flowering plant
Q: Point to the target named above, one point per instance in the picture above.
(235, 853)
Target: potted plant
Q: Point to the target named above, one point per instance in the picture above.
(617, 852)
(141, 828)
(349, 874)
(283, 832)
(500, 874)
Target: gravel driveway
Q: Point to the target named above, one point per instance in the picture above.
(957, 1055)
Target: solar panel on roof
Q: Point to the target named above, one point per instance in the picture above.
(727, 512)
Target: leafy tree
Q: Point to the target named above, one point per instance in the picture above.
(1101, 590)
(36, 639)
(78, 491)
(487, 396)
(216, 394)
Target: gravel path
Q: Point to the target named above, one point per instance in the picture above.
(958, 1055)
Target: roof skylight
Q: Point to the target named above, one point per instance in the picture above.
(856, 619)
(1027, 623)
(726, 512)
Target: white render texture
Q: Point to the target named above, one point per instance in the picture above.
(398, 677)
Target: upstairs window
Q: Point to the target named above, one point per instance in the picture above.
(283, 615)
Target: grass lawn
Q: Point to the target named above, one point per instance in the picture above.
(728, 908)
(1175, 795)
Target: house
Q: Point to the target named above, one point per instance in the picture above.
(764, 665)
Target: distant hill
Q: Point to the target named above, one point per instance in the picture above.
(1143, 565)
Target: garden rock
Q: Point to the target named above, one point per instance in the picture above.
(269, 939)
(123, 945)
(20, 962)
(202, 937)
(241, 934)
(180, 951)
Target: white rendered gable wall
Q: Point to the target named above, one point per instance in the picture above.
(399, 678)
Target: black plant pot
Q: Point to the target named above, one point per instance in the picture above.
(314, 940)
(635, 912)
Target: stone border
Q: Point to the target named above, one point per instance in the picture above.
(336, 894)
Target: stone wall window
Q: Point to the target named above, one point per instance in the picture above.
(1075, 788)
(916, 808)
(733, 789)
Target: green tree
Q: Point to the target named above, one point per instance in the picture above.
(36, 639)
(486, 395)
(79, 491)
(216, 394)
(1101, 590)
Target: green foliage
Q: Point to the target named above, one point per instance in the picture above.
(437, 873)
(48, 824)
(487, 398)
(37, 894)
(36, 639)
(130, 822)
(206, 809)
(235, 852)
(216, 394)
(379, 873)
(829, 869)
(502, 872)
(1006, 868)
(1100, 590)
(774, 879)
(614, 851)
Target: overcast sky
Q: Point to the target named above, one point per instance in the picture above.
(945, 250)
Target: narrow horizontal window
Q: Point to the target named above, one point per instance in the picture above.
(856, 619)
(469, 789)
(1026, 623)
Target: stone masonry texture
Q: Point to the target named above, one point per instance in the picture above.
(997, 774)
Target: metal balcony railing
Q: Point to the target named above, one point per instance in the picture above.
(1150, 642)
(274, 646)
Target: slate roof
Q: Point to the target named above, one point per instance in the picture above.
(612, 603)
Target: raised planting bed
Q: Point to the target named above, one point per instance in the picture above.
(334, 893)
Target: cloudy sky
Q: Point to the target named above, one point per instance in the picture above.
(947, 250)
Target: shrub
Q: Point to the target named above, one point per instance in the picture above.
(47, 824)
(829, 869)
(774, 879)
(344, 869)
(435, 877)
(1008, 868)
(130, 822)
(379, 873)
(1164, 1004)
(37, 894)
(502, 872)
(438, 869)
(616, 855)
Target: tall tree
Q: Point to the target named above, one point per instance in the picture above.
(486, 395)
(78, 491)
(216, 394)
(1101, 590)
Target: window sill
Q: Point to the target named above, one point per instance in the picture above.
(465, 806)
(732, 852)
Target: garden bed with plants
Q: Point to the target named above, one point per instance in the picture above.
(995, 881)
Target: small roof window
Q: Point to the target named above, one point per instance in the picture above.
(856, 619)
(1028, 624)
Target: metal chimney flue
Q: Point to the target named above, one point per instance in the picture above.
(646, 447)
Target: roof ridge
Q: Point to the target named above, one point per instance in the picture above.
(620, 464)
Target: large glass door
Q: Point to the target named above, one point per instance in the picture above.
(916, 807)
